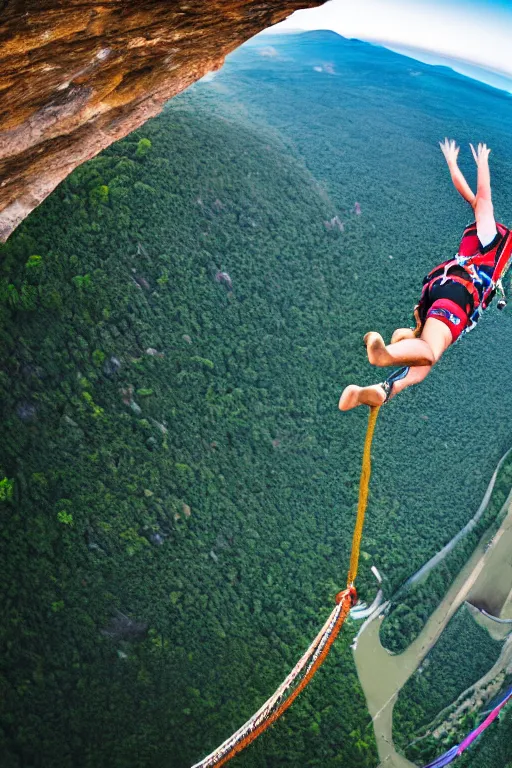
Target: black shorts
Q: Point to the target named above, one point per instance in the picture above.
(453, 291)
(451, 303)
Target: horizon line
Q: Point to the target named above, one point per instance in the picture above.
(395, 48)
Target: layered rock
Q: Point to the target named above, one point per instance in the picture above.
(77, 76)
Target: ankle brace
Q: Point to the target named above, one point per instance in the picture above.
(388, 384)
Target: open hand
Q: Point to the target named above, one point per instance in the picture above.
(450, 151)
(482, 154)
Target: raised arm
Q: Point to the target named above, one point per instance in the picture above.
(450, 151)
(484, 211)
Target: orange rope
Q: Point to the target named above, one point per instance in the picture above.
(347, 604)
(364, 484)
(346, 599)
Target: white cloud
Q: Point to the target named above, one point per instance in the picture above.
(269, 52)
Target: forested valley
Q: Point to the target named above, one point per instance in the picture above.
(177, 322)
(464, 653)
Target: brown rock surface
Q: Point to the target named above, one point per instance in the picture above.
(76, 76)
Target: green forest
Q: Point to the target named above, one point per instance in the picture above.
(494, 749)
(410, 607)
(177, 321)
(464, 653)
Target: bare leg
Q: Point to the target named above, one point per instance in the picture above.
(435, 335)
(353, 395)
(405, 352)
(435, 339)
(415, 376)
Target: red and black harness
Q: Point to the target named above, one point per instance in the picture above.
(477, 268)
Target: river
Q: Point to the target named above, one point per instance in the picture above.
(383, 674)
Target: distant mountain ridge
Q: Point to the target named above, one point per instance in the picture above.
(497, 80)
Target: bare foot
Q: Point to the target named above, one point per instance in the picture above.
(376, 349)
(402, 333)
(352, 396)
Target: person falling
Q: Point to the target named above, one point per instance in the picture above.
(454, 293)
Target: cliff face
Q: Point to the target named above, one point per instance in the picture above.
(77, 76)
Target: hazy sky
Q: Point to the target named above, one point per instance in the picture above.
(477, 31)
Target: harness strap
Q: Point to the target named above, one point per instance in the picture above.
(389, 383)
(503, 259)
(441, 270)
(468, 285)
(488, 282)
